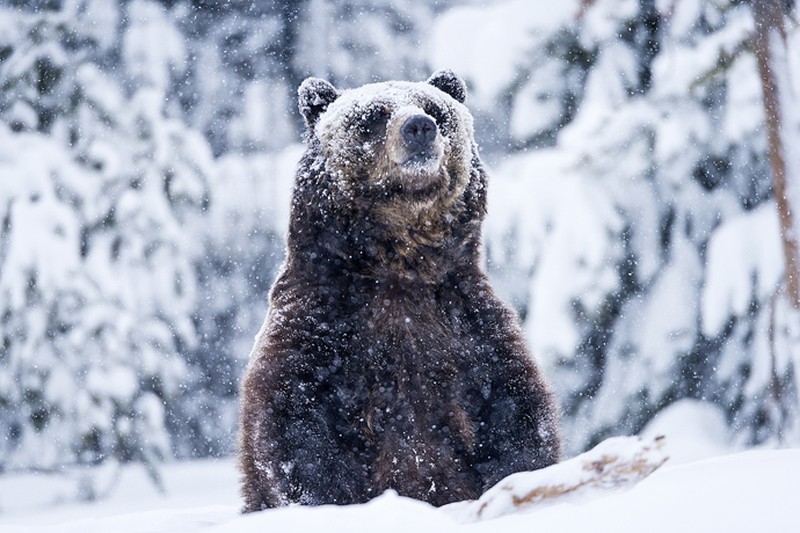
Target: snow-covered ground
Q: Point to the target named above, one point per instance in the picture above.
(705, 487)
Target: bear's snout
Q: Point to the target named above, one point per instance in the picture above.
(414, 146)
(418, 133)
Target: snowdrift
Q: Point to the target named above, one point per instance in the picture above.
(750, 491)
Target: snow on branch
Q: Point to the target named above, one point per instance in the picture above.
(744, 260)
(615, 463)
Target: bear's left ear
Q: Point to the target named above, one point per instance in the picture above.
(313, 97)
(447, 82)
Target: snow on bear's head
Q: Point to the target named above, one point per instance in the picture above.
(412, 140)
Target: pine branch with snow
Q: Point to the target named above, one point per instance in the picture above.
(616, 463)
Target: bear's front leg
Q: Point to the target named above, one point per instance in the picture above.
(296, 443)
(517, 421)
(518, 432)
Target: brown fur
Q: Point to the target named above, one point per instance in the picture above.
(386, 360)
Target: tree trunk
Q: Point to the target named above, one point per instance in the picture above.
(770, 48)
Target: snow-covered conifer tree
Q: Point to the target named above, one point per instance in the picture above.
(97, 290)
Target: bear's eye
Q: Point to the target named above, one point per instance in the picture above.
(374, 121)
(437, 114)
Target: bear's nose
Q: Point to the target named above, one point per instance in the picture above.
(418, 132)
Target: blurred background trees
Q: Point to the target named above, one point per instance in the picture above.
(147, 150)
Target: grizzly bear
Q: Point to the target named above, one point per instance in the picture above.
(386, 361)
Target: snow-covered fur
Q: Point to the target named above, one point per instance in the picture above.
(386, 360)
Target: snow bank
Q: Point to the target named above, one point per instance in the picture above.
(745, 492)
(694, 430)
(192, 490)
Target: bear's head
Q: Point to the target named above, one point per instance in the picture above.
(391, 139)
(397, 156)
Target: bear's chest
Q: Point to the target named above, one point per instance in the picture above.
(406, 370)
(412, 333)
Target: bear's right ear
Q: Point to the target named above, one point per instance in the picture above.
(313, 97)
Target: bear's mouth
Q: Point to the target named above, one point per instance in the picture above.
(421, 170)
(422, 160)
